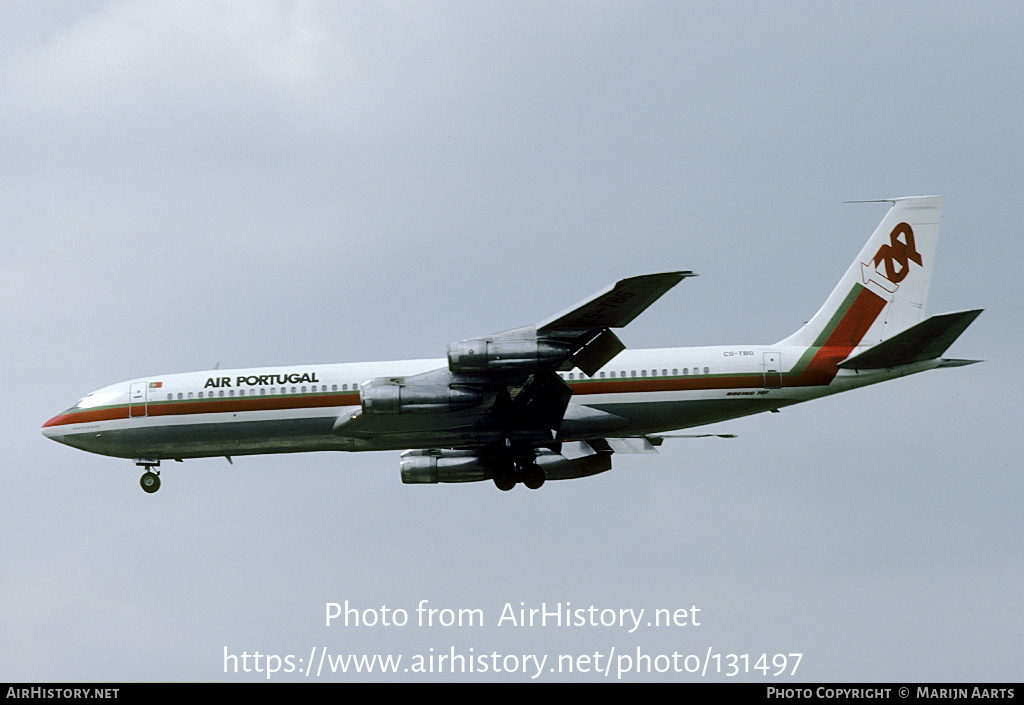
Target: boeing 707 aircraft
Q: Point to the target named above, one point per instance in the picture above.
(551, 401)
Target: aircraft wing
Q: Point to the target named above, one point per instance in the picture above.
(585, 329)
(505, 384)
(580, 336)
(614, 306)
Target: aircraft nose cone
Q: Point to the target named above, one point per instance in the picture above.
(53, 429)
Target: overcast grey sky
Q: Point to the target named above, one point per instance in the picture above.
(192, 183)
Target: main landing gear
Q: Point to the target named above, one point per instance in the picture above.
(508, 477)
(150, 479)
(518, 464)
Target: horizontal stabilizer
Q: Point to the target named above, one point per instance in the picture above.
(926, 340)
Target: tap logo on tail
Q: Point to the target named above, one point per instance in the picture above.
(896, 256)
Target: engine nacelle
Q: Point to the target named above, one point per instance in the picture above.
(433, 466)
(385, 396)
(498, 355)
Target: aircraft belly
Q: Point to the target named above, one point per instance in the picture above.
(206, 439)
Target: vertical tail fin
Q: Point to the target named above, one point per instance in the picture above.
(885, 290)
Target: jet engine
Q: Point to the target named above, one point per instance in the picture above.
(508, 355)
(386, 396)
(434, 466)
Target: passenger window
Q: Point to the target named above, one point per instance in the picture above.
(675, 370)
(602, 375)
(169, 397)
(190, 395)
(706, 370)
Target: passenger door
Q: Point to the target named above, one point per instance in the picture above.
(137, 398)
(772, 370)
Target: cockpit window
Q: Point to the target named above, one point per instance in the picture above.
(96, 399)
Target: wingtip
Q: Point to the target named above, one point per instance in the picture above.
(678, 275)
(897, 199)
(955, 362)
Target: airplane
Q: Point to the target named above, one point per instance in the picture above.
(551, 401)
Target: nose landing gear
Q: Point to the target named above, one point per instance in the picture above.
(150, 479)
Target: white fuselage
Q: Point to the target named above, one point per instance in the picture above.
(294, 409)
